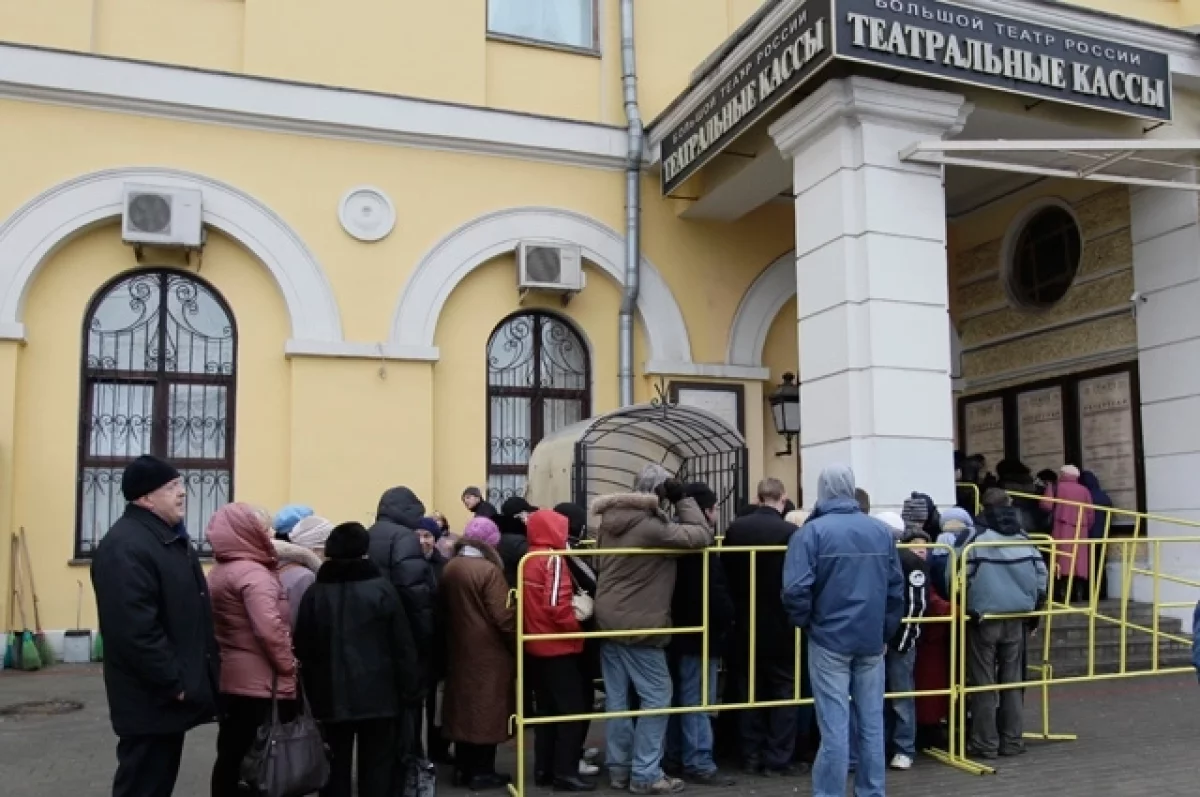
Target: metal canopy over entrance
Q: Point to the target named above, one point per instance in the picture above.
(1154, 164)
(604, 455)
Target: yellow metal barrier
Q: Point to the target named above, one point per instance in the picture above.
(519, 721)
(975, 489)
(1062, 553)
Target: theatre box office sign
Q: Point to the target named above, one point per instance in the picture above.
(925, 37)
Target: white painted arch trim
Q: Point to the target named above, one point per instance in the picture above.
(55, 217)
(765, 297)
(451, 260)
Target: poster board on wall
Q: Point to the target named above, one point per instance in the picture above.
(1106, 436)
(1040, 429)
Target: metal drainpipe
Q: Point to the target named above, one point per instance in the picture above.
(633, 206)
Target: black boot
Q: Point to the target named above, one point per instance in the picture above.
(574, 783)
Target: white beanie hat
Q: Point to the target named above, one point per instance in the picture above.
(311, 532)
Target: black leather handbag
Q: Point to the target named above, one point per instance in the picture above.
(287, 759)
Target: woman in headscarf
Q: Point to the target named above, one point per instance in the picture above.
(481, 667)
(251, 618)
(300, 558)
(1071, 522)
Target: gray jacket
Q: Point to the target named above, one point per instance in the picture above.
(1004, 579)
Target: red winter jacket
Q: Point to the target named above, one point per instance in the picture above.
(548, 587)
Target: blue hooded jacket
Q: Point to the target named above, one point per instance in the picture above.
(842, 579)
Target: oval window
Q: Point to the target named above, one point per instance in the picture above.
(1045, 258)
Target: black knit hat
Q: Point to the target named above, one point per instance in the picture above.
(515, 506)
(347, 541)
(145, 475)
(576, 518)
(702, 494)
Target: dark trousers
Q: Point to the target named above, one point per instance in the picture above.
(147, 766)
(558, 690)
(378, 762)
(472, 760)
(241, 718)
(994, 651)
(437, 747)
(769, 735)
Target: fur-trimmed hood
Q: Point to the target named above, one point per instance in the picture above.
(619, 512)
(292, 554)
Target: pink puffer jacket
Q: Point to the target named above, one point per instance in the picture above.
(250, 607)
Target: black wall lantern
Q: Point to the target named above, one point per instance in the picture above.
(785, 411)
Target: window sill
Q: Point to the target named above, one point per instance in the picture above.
(506, 38)
(87, 562)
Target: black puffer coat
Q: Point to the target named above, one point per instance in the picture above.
(396, 550)
(355, 644)
(157, 625)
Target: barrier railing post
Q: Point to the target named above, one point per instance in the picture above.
(704, 640)
(753, 635)
(518, 787)
(1157, 566)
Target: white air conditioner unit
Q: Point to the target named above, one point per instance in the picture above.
(161, 216)
(549, 267)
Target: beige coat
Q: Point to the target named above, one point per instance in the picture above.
(480, 628)
(634, 592)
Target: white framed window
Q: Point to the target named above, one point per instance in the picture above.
(562, 23)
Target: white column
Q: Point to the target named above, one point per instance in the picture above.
(872, 292)
(1165, 227)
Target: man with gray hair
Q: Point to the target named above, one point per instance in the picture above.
(844, 586)
(633, 593)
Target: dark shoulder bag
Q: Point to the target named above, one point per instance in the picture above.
(287, 759)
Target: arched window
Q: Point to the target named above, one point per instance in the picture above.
(159, 372)
(539, 380)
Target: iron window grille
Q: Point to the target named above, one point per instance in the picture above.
(539, 380)
(159, 376)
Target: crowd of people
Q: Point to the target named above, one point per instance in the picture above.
(1067, 505)
(401, 636)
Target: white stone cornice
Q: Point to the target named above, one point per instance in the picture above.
(858, 99)
(171, 92)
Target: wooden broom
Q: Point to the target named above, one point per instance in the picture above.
(44, 649)
(27, 657)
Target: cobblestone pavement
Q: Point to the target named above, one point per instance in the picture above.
(1136, 738)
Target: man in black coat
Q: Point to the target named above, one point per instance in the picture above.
(768, 735)
(472, 499)
(690, 736)
(161, 662)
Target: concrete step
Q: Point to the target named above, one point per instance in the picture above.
(1108, 652)
(1133, 664)
(1109, 633)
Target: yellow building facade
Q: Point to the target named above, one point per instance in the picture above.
(367, 175)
